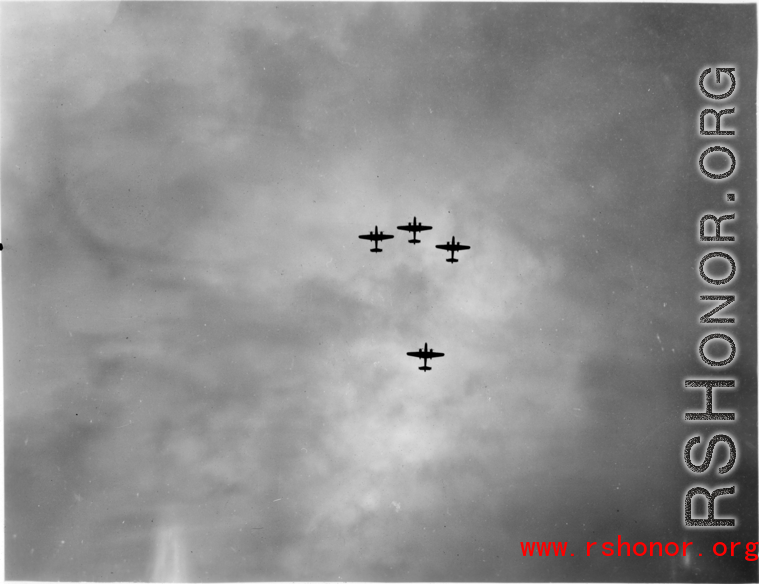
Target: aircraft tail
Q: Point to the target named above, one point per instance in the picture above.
(414, 241)
(425, 368)
(452, 260)
(376, 250)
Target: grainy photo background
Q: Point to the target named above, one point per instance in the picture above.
(205, 369)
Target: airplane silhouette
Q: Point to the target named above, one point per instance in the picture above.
(376, 237)
(425, 354)
(452, 247)
(413, 229)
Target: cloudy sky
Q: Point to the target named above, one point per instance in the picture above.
(205, 369)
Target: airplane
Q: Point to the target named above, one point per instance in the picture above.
(425, 354)
(452, 247)
(413, 229)
(376, 237)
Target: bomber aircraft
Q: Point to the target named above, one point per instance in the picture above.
(413, 228)
(376, 237)
(425, 354)
(452, 247)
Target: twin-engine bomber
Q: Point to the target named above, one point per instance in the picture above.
(416, 227)
(452, 247)
(376, 237)
(425, 354)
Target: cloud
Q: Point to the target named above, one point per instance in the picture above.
(211, 362)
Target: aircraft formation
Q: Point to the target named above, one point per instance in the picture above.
(377, 236)
(452, 246)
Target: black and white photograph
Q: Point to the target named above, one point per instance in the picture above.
(379, 291)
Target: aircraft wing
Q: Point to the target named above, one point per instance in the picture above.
(376, 236)
(449, 247)
(419, 227)
(425, 354)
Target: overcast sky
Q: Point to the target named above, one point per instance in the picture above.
(206, 370)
